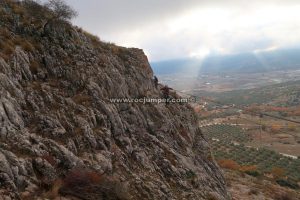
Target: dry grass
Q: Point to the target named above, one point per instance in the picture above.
(185, 134)
(211, 196)
(245, 187)
(6, 44)
(95, 40)
(35, 85)
(34, 67)
(82, 98)
(17, 9)
(89, 184)
(277, 172)
(253, 191)
(78, 131)
(5, 33)
(246, 168)
(284, 196)
(50, 159)
(229, 164)
(5, 57)
(171, 157)
(67, 60)
(27, 46)
(54, 192)
(7, 48)
(53, 83)
(81, 177)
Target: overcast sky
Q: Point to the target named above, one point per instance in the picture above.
(168, 29)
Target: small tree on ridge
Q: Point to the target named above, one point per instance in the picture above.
(60, 12)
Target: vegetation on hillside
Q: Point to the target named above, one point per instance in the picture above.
(283, 94)
(228, 146)
(30, 25)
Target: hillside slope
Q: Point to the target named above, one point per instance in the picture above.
(56, 117)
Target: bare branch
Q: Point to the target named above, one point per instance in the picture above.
(61, 10)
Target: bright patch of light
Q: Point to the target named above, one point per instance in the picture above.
(200, 53)
(272, 48)
(208, 19)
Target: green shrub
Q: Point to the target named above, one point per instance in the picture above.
(253, 173)
(287, 183)
(190, 174)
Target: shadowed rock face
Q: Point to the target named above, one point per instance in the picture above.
(54, 102)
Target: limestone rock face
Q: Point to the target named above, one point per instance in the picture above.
(56, 114)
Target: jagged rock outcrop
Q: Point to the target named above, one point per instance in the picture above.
(56, 115)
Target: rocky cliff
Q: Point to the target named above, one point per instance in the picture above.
(60, 134)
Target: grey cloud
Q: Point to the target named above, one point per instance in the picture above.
(107, 16)
(144, 24)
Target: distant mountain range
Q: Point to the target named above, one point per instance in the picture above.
(282, 59)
